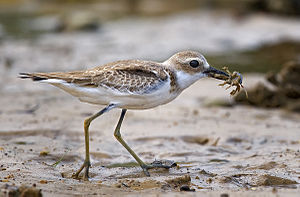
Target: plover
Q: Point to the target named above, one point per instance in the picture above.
(130, 84)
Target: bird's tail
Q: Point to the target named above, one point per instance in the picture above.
(58, 77)
(34, 76)
(50, 77)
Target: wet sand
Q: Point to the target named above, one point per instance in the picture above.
(237, 150)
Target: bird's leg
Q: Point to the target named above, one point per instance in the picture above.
(118, 136)
(87, 163)
(144, 166)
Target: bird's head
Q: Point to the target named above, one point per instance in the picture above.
(191, 66)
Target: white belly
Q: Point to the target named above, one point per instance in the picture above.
(104, 96)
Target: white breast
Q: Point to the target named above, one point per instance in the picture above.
(104, 96)
(184, 79)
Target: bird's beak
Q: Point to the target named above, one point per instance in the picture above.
(215, 73)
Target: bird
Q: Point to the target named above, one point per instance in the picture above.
(130, 85)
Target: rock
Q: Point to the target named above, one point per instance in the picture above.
(186, 188)
(285, 94)
(179, 181)
(261, 96)
(195, 139)
(269, 180)
(22, 191)
(224, 195)
(288, 79)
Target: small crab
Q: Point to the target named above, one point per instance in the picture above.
(233, 79)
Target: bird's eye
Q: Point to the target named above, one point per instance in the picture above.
(194, 63)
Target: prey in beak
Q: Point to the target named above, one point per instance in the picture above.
(229, 78)
(215, 73)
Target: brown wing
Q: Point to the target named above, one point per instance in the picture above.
(129, 76)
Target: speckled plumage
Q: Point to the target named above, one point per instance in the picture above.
(126, 76)
(126, 80)
(129, 84)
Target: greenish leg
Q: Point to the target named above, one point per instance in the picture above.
(118, 136)
(86, 164)
(144, 166)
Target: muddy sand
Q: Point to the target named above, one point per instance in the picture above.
(236, 150)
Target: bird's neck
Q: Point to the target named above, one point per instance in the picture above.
(184, 80)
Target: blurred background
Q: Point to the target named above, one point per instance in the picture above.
(254, 36)
(221, 142)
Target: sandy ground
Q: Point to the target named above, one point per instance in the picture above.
(236, 150)
(239, 150)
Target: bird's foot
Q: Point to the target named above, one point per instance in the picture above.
(86, 165)
(158, 164)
